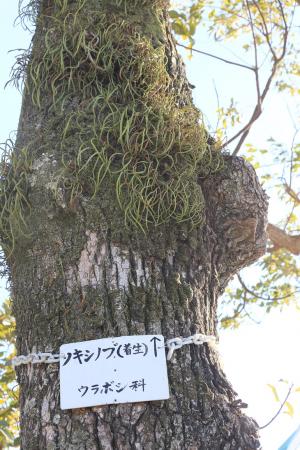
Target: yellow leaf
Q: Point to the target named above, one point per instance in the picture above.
(289, 409)
(274, 391)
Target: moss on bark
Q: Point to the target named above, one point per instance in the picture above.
(101, 70)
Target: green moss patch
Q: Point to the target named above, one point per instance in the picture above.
(101, 67)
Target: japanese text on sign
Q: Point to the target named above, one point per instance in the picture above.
(114, 370)
(122, 350)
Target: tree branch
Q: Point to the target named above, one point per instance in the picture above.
(243, 133)
(227, 61)
(276, 61)
(281, 239)
(260, 297)
(280, 409)
(294, 196)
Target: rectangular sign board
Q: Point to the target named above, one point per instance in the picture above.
(124, 369)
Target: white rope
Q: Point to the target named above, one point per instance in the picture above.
(36, 358)
(196, 339)
(172, 344)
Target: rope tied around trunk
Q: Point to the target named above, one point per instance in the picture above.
(36, 358)
(196, 339)
(171, 344)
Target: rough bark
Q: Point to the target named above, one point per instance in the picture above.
(80, 275)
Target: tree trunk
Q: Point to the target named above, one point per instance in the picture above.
(121, 221)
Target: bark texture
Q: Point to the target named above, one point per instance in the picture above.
(80, 274)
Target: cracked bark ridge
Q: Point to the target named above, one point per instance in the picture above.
(237, 212)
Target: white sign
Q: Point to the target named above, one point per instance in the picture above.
(125, 369)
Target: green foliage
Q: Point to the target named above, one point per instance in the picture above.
(9, 415)
(186, 20)
(14, 169)
(130, 126)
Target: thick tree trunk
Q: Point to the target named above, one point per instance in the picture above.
(79, 273)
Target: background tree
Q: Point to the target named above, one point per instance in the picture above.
(243, 229)
(8, 389)
(264, 34)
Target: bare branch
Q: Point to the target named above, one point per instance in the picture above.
(260, 297)
(294, 196)
(257, 110)
(286, 29)
(218, 103)
(265, 30)
(227, 61)
(280, 409)
(243, 133)
(255, 54)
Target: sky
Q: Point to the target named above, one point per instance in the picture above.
(255, 355)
